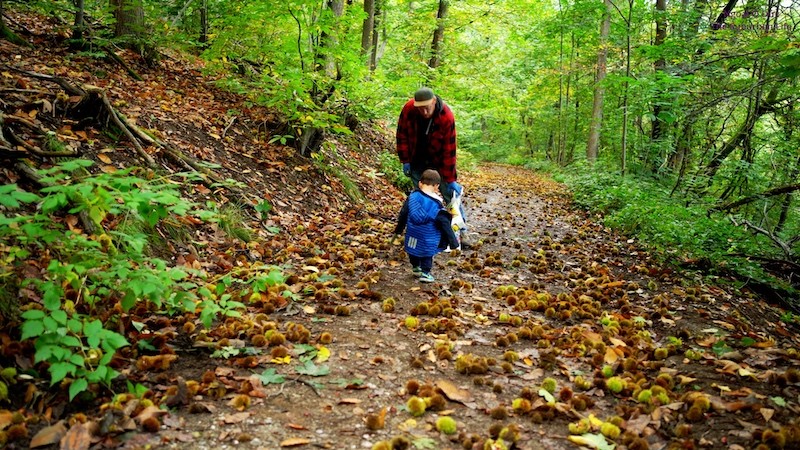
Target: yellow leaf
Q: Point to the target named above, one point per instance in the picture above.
(295, 442)
(323, 354)
(284, 360)
(308, 309)
(611, 355)
(103, 157)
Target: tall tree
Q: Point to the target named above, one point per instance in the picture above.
(438, 35)
(129, 15)
(599, 89)
(367, 27)
(659, 65)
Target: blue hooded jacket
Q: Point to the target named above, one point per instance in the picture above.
(428, 229)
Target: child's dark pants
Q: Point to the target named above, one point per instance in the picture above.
(425, 263)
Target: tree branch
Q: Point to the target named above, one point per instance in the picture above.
(780, 190)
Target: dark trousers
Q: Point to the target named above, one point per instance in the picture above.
(425, 263)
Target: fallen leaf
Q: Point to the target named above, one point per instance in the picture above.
(77, 438)
(150, 411)
(235, 418)
(296, 426)
(323, 354)
(49, 435)
(452, 392)
(597, 441)
(103, 157)
(295, 442)
(767, 413)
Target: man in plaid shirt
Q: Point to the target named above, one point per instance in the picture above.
(426, 139)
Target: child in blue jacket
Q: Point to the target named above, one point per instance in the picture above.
(427, 222)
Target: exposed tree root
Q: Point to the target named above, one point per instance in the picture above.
(93, 100)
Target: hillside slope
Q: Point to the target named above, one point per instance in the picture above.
(548, 321)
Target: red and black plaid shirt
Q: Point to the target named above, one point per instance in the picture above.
(441, 138)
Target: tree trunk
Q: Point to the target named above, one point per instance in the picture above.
(367, 28)
(378, 25)
(438, 35)
(204, 23)
(80, 25)
(599, 90)
(7, 34)
(331, 41)
(129, 15)
(657, 131)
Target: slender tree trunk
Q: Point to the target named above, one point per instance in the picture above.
(438, 35)
(560, 132)
(367, 27)
(80, 25)
(657, 130)
(624, 143)
(378, 25)
(204, 22)
(599, 90)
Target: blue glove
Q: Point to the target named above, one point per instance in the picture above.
(455, 187)
(407, 169)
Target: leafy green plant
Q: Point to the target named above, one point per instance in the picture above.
(85, 272)
(393, 171)
(73, 345)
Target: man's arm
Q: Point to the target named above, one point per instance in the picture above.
(446, 143)
(403, 133)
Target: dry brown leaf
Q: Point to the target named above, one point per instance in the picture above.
(452, 392)
(49, 435)
(77, 438)
(295, 442)
(150, 411)
(296, 426)
(349, 401)
(5, 419)
(103, 157)
(767, 413)
(236, 418)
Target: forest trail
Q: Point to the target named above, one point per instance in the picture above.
(545, 293)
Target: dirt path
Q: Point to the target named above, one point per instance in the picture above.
(544, 294)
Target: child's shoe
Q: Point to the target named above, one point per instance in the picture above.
(426, 278)
(416, 271)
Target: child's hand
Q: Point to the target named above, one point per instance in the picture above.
(396, 239)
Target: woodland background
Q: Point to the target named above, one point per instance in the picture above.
(674, 122)
(681, 115)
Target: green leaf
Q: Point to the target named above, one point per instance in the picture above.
(33, 314)
(271, 377)
(547, 395)
(52, 299)
(60, 316)
(596, 441)
(77, 386)
(311, 369)
(747, 341)
(31, 328)
(780, 401)
(425, 443)
(59, 370)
